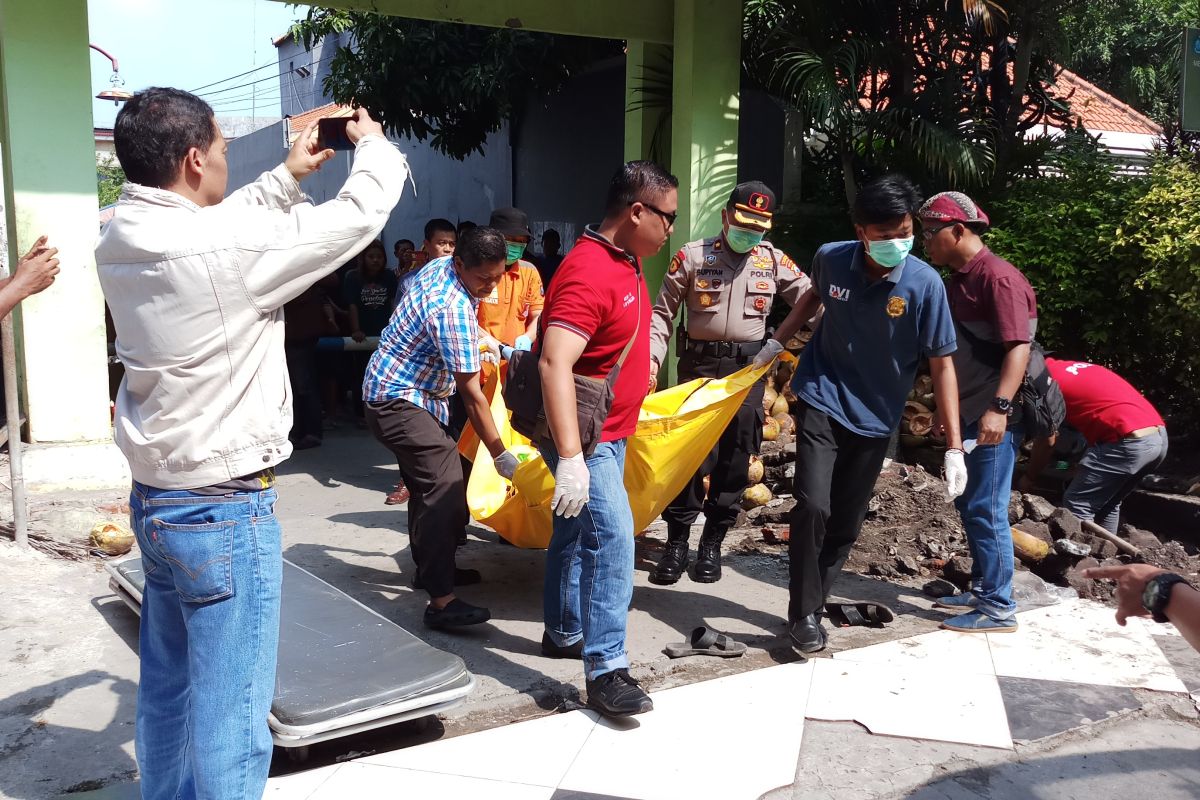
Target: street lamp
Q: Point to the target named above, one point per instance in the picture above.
(114, 92)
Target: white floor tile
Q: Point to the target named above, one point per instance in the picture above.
(299, 785)
(358, 780)
(536, 752)
(1079, 641)
(911, 701)
(940, 650)
(734, 737)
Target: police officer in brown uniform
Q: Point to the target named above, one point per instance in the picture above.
(729, 283)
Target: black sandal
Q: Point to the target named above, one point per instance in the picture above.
(456, 614)
(846, 615)
(705, 641)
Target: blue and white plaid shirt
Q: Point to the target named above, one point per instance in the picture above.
(434, 333)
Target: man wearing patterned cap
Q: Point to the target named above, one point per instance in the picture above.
(729, 283)
(995, 317)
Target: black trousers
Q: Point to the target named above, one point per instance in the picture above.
(728, 464)
(429, 464)
(306, 389)
(836, 470)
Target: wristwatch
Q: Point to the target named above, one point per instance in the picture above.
(1003, 405)
(1157, 594)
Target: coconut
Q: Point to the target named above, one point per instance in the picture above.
(787, 423)
(112, 537)
(923, 385)
(780, 406)
(756, 470)
(769, 398)
(770, 429)
(755, 496)
(920, 424)
(913, 407)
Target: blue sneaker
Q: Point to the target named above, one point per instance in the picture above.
(958, 602)
(978, 622)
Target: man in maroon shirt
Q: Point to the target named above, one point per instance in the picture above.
(597, 303)
(995, 316)
(1126, 438)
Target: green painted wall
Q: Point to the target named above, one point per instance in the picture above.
(50, 188)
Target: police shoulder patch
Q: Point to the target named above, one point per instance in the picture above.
(676, 262)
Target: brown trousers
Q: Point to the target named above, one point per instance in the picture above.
(429, 463)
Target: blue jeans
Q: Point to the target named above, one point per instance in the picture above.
(1108, 472)
(209, 640)
(984, 511)
(589, 565)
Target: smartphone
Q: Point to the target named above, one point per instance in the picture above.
(331, 134)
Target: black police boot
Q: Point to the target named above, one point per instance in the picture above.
(675, 559)
(708, 560)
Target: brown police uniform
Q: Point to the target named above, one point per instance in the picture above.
(728, 297)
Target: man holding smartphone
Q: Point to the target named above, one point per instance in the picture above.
(196, 282)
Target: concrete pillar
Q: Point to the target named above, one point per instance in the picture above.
(50, 188)
(704, 122)
(648, 122)
(704, 117)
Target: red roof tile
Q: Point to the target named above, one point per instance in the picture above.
(297, 123)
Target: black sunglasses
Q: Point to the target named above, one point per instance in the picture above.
(929, 233)
(669, 218)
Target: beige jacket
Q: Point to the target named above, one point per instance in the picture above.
(197, 298)
(728, 295)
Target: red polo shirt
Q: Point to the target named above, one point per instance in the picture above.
(1100, 403)
(594, 294)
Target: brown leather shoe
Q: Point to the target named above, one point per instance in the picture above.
(398, 495)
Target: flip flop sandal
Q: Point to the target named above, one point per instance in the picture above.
(845, 615)
(705, 641)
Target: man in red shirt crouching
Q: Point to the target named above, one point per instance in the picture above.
(597, 305)
(1126, 438)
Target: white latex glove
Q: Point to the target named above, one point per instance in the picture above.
(954, 466)
(571, 482)
(489, 349)
(523, 342)
(506, 464)
(770, 349)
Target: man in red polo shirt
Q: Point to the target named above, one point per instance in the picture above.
(1126, 437)
(596, 305)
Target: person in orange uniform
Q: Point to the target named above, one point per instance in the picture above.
(510, 314)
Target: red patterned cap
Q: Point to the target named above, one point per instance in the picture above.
(952, 207)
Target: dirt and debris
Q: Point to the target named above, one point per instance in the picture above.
(912, 535)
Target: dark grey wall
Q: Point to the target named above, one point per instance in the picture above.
(569, 144)
(566, 149)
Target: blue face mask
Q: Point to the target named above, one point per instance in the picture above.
(513, 252)
(743, 240)
(890, 253)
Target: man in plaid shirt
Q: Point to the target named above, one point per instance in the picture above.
(430, 349)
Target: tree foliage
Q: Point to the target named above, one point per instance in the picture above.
(940, 90)
(109, 179)
(1115, 261)
(1130, 48)
(448, 83)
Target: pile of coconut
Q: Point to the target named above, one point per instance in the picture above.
(779, 425)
